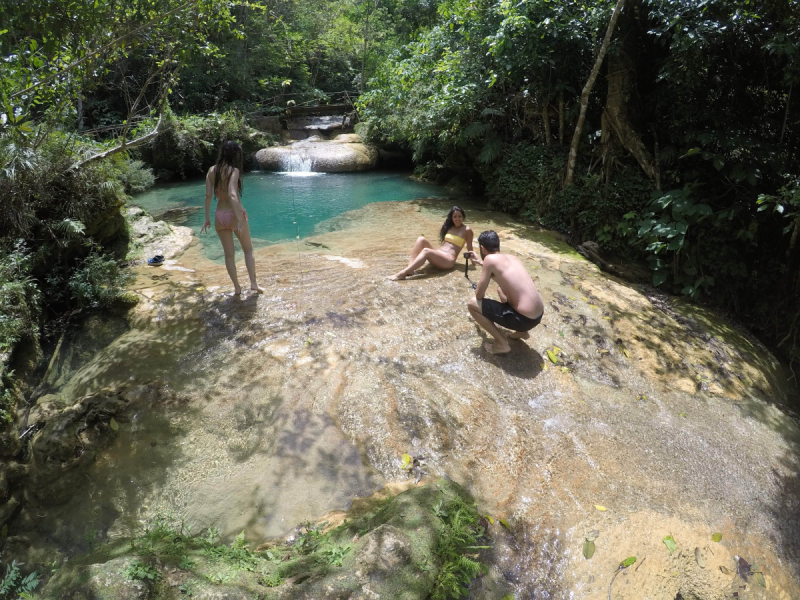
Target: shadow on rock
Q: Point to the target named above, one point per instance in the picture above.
(522, 362)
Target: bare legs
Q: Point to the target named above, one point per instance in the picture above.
(501, 345)
(226, 237)
(421, 253)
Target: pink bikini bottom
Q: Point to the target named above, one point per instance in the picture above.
(226, 219)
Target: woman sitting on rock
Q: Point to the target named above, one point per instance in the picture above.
(453, 235)
(224, 180)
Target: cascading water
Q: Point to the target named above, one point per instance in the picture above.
(298, 164)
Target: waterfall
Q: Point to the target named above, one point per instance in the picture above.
(297, 163)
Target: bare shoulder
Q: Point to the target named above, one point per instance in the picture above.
(492, 260)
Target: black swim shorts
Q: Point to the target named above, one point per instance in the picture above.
(504, 315)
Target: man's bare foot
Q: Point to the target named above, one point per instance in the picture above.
(519, 335)
(237, 290)
(256, 288)
(497, 348)
(397, 276)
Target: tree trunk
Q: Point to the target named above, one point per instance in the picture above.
(79, 110)
(561, 117)
(546, 121)
(364, 56)
(587, 90)
(616, 123)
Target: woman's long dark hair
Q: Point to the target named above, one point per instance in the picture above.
(230, 158)
(448, 222)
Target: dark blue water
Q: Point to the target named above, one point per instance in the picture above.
(282, 206)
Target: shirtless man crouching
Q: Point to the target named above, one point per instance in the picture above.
(521, 307)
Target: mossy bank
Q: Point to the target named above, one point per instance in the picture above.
(425, 542)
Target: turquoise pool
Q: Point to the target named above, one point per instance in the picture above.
(281, 206)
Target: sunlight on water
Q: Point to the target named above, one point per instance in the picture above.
(281, 206)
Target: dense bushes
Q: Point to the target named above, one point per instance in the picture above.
(61, 229)
(19, 298)
(189, 145)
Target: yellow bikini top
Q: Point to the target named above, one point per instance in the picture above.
(455, 240)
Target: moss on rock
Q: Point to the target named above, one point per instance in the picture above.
(411, 547)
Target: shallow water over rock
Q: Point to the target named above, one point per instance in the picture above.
(286, 405)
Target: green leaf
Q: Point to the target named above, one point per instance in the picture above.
(627, 562)
(489, 518)
(505, 524)
(551, 355)
(669, 542)
(704, 210)
(660, 277)
(588, 549)
(717, 537)
(406, 462)
(113, 424)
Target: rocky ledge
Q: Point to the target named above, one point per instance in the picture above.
(424, 542)
(150, 237)
(344, 153)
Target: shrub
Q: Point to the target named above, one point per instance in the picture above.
(99, 282)
(134, 175)
(528, 182)
(188, 145)
(19, 298)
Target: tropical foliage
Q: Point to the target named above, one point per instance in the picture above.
(689, 155)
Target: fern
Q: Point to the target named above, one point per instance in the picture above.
(492, 149)
(69, 227)
(460, 532)
(475, 130)
(493, 112)
(13, 582)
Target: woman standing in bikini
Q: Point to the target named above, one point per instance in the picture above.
(224, 181)
(453, 235)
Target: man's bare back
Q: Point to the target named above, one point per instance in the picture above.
(520, 308)
(516, 286)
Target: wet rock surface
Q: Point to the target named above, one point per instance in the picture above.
(344, 153)
(152, 237)
(671, 419)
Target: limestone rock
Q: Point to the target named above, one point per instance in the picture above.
(69, 441)
(103, 581)
(8, 510)
(9, 444)
(157, 237)
(344, 153)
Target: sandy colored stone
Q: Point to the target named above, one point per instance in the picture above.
(686, 433)
(343, 154)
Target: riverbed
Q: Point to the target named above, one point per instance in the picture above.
(652, 417)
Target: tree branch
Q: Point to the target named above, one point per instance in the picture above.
(103, 49)
(121, 148)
